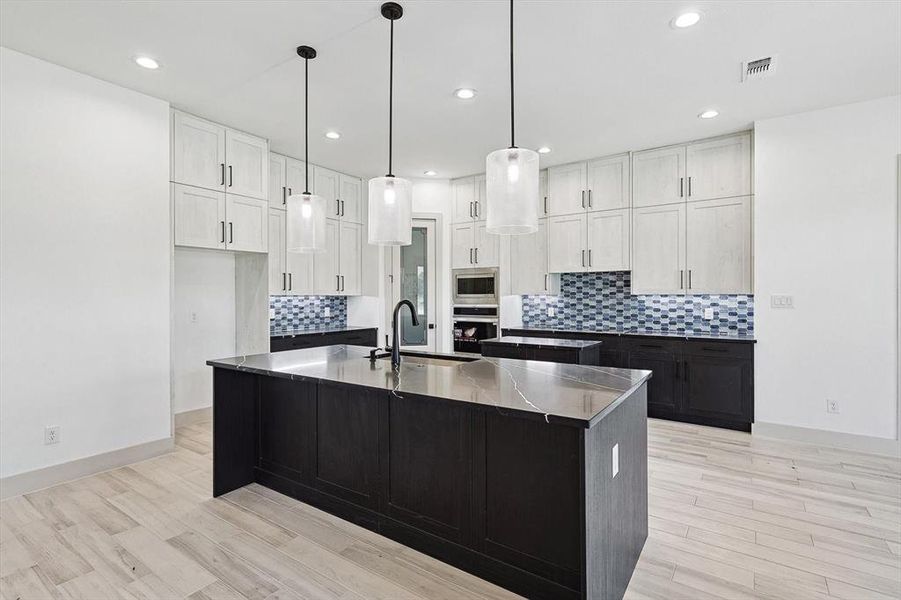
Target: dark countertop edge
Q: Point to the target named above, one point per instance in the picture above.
(568, 421)
(661, 335)
(304, 332)
(537, 344)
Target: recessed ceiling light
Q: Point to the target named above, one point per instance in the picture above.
(147, 62)
(465, 93)
(332, 135)
(708, 114)
(686, 19)
(544, 150)
(430, 173)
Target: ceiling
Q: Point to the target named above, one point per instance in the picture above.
(592, 77)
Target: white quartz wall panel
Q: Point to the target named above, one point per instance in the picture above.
(85, 262)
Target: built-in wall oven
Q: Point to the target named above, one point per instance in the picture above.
(472, 324)
(476, 286)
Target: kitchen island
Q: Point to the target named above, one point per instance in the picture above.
(532, 475)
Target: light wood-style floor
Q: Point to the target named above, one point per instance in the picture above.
(730, 516)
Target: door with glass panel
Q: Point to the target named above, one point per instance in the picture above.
(412, 276)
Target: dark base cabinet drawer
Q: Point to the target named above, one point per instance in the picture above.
(356, 337)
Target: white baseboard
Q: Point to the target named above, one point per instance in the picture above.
(30, 481)
(190, 417)
(834, 439)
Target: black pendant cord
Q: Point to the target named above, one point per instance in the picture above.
(391, 103)
(306, 127)
(512, 126)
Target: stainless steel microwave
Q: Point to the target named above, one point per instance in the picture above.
(476, 286)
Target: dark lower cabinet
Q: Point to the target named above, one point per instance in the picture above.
(353, 337)
(717, 389)
(664, 391)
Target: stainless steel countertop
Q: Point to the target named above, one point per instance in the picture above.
(574, 394)
(539, 342)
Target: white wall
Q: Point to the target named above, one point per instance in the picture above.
(203, 323)
(826, 232)
(85, 264)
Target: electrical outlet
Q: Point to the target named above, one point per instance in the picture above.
(328, 311)
(193, 317)
(782, 301)
(708, 313)
(615, 459)
(832, 406)
(551, 311)
(51, 434)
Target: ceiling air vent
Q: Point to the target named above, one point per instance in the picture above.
(758, 69)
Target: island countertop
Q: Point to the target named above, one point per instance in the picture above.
(575, 394)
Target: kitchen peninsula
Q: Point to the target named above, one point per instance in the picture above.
(532, 475)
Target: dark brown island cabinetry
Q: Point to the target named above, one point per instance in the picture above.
(299, 339)
(708, 381)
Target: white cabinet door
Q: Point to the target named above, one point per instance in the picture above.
(300, 273)
(351, 196)
(248, 165)
(198, 152)
(295, 178)
(248, 224)
(481, 206)
(327, 183)
(608, 183)
(325, 264)
(463, 245)
(719, 246)
(658, 177)
(566, 244)
(542, 193)
(608, 240)
(199, 217)
(464, 198)
(278, 271)
(528, 263)
(487, 247)
(567, 189)
(658, 249)
(719, 168)
(278, 182)
(350, 258)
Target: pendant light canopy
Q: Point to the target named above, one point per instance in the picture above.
(305, 221)
(391, 198)
(512, 179)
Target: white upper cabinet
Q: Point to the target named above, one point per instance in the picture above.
(351, 196)
(481, 205)
(278, 181)
(327, 183)
(248, 224)
(198, 152)
(325, 264)
(300, 273)
(350, 258)
(542, 193)
(247, 159)
(567, 189)
(609, 183)
(199, 217)
(608, 240)
(719, 246)
(278, 270)
(463, 243)
(296, 176)
(658, 177)
(464, 199)
(719, 168)
(567, 244)
(487, 246)
(528, 264)
(658, 249)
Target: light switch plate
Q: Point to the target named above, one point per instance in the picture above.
(615, 460)
(551, 311)
(782, 301)
(708, 313)
(328, 311)
(271, 313)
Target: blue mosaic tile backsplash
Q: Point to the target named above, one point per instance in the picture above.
(307, 312)
(604, 302)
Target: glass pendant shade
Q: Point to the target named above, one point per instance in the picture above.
(305, 223)
(512, 186)
(390, 211)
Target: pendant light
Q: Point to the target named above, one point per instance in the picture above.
(306, 211)
(512, 179)
(390, 197)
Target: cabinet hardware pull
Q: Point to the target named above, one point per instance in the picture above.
(680, 186)
(337, 283)
(222, 223)
(689, 279)
(284, 195)
(229, 176)
(222, 176)
(681, 279)
(706, 349)
(290, 191)
(589, 206)
(471, 214)
(290, 281)
(470, 256)
(657, 346)
(477, 252)
(589, 252)
(583, 259)
(342, 283)
(545, 281)
(545, 205)
(478, 213)
(231, 232)
(284, 282)
(343, 204)
(689, 186)
(583, 198)
(337, 207)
